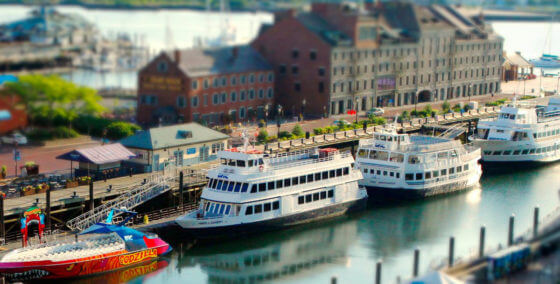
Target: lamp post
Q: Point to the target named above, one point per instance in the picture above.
(470, 92)
(279, 111)
(324, 111)
(303, 102)
(266, 115)
(356, 108)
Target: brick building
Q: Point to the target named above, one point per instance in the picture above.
(212, 86)
(351, 56)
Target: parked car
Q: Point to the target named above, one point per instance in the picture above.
(14, 138)
(375, 111)
(341, 121)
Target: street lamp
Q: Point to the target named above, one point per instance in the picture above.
(356, 108)
(279, 111)
(324, 111)
(470, 92)
(303, 102)
(266, 115)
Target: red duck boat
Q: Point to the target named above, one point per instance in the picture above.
(105, 247)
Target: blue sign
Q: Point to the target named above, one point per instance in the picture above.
(17, 155)
(223, 176)
(191, 151)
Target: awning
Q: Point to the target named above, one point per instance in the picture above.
(99, 155)
(5, 115)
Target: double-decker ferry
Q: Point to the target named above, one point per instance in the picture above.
(401, 166)
(521, 133)
(251, 192)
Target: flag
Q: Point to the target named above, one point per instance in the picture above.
(351, 112)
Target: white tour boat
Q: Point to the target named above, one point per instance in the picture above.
(401, 166)
(522, 133)
(251, 192)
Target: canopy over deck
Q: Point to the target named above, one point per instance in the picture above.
(99, 155)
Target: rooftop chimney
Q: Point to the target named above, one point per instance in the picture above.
(177, 54)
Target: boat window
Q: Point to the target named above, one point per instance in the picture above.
(466, 167)
(453, 153)
(317, 176)
(310, 178)
(287, 182)
(279, 183)
(487, 152)
(224, 186)
(459, 169)
(267, 207)
(332, 173)
(209, 185)
(378, 172)
(397, 157)
(302, 179)
(271, 185)
(532, 151)
(261, 162)
(244, 187)
(534, 135)
(275, 205)
(338, 172)
(258, 208)
(507, 152)
(323, 195)
(392, 174)
(442, 155)
(451, 171)
(524, 152)
(500, 130)
(212, 183)
(237, 187)
(373, 154)
(221, 209)
(216, 208)
(315, 196)
(384, 173)
(362, 153)
(249, 210)
(308, 198)
(435, 174)
(253, 188)
(428, 175)
(231, 186)
(231, 163)
(300, 200)
(250, 163)
(330, 193)
(240, 163)
(497, 152)
(227, 209)
(346, 171)
(539, 150)
(206, 206)
(549, 148)
(295, 181)
(444, 172)
(219, 185)
(413, 159)
(223, 161)
(383, 138)
(262, 187)
(325, 175)
(418, 176)
(382, 155)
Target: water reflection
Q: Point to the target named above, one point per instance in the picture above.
(280, 255)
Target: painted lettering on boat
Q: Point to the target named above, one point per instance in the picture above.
(137, 256)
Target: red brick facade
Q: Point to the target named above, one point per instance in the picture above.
(301, 63)
(17, 111)
(168, 95)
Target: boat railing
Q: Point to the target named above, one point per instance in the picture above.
(329, 157)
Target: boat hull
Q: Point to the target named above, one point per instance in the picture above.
(35, 270)
(335, 210)
(377, 194)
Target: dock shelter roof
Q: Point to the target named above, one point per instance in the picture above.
(99, 155)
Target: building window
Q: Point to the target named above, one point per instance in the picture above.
(241, 112)
(206, 84)
(321, 87)
(224, 81)
(251, 94)
(270, 77)
(261, 78)
(282, 69)
(312, 54)
(194, 102)
(233, 80)
(194, 85)
(251, 78)
(162, 67)
(233, 96)
(321, 71)
(297, 87)
(242, 95)
(295, 69)
(295, 53)
(205, 99)
(181, 102)
(215, 99)
(224, 98)
(261, 94)
(270, 93)
(242, 79)
(216, 82)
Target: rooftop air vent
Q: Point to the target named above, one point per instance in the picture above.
(185, 134)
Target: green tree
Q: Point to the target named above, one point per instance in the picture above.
(263, 136)
(298, 131)
(47, 97)
(120, 129)
(445, 107)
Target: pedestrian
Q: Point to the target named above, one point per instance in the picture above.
(492, 94)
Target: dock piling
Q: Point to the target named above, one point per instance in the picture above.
(91, 201)
(481, 242)
(48, 208)
(451, 251)
(378, 272)
(510, 230)
(536, 222)
(416, 262)
(2, 227)
(181, 190)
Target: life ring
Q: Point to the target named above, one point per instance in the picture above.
(261, 168)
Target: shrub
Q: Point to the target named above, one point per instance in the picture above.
(64, 132)
(298, 131)
(318, 131)
(445, 107)
(91, 125)
(285, 135)
(263, 136)
(262, 123)
(378, 121)
(120, 129)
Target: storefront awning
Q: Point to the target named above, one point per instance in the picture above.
(99, 155)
